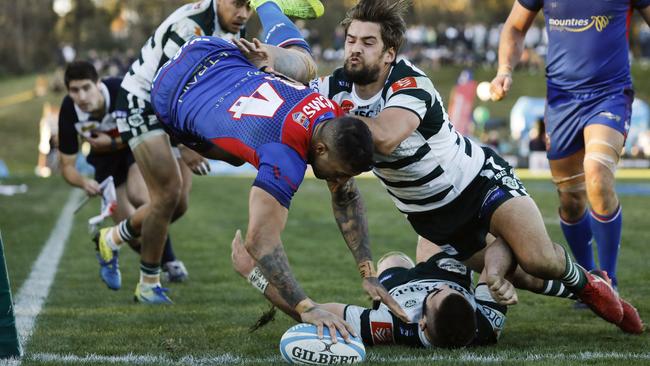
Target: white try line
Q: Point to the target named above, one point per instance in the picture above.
(34, 291)
(230, 359)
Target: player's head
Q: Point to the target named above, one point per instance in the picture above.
(448, 319)
(233, 14)
(83, 86)
(341, 148)
(374, 33)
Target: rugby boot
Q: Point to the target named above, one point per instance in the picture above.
(175, 271)
(632, 322)
(601, 298)
(102, 247)
(110, 272)
(151, 295)
(304, 9)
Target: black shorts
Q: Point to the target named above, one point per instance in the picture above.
(460, 227)
(115, 164)
(135, 118)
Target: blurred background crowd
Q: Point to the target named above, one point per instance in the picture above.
(455, 42)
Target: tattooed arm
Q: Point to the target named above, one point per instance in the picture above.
(350, 215)
(267, 219)
(293, 62)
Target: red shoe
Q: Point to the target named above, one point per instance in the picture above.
(632, 322)
(601, 298)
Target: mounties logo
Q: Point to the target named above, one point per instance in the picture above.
(599, 22)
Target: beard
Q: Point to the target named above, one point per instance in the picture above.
(365, 75)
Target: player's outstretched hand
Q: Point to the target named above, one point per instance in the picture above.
(502, 290)
(197, 163)
(323, 318)
(500, 86)
(378, 292)
(91, 187)
(256, 52)
(242, 261)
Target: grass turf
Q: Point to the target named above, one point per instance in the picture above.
(213, 310)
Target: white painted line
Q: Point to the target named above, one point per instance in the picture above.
(34, 291)
(230, 359)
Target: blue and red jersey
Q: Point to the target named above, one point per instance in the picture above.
(210, 92)
(588, 42)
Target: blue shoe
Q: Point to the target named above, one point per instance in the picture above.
(110, 272)
(153, 295)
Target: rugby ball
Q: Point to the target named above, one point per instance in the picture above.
(300, 345)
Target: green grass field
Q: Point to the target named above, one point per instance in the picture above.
(82, 322)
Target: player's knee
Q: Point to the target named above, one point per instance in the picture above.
(543, 264)
(600, 185)
(181, 208)
(572, 205)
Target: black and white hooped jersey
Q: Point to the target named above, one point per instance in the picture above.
(73, 121)
(410, 288)
(194, 19)
(431, 167)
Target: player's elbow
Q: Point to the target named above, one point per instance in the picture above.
(385, 145)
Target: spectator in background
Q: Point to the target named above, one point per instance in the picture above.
(48, 141)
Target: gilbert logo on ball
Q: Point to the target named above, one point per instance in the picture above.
(300, 345)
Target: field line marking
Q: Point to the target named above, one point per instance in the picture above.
(33, 292)
(230, 359)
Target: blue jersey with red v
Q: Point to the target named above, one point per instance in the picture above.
(210, 91)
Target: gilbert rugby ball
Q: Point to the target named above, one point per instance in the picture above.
(300, 345)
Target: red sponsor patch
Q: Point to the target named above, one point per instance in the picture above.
(347, 106)
(382, 332)
(405, 83)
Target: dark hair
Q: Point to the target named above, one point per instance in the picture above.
(80, 70)
(389, 14)
(352, 141)
(454, 323)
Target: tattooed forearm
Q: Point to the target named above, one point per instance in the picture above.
(350, 214)
(295, 64)
(275, 267)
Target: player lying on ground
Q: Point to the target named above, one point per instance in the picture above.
(451, 190)
(87, 112)
(211, 98)
(437, 294)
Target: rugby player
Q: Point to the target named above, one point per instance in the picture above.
(589, 103)
(167, 177)
(87, 112)
(212, 99)
(444, 308)
(452, 191)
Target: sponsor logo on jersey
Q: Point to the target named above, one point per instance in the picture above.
(405, 83)
(382, 332)
(599, 22)
(347, 105)
(510, 182)
(452, 265)
(610, 115)
(301, 119)
(410, 303)
(317, 105)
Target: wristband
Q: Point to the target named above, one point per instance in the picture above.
(367, 269)
(257, 279)
(113, 144)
